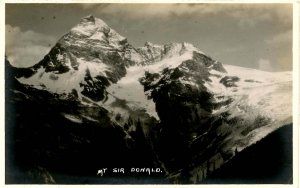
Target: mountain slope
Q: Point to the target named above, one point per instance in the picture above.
(183, 111)
(55, 140)
(261, 162)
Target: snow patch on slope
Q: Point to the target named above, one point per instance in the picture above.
(72, 118)
(66, 82)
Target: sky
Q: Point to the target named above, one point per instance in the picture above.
(249, 35)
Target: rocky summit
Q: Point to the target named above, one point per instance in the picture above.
(95, 101)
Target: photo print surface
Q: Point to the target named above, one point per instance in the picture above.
(148, 93)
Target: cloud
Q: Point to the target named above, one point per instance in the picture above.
(264, 64)
(284, 37)
(26, 48)
(243, 14)
(250, 14)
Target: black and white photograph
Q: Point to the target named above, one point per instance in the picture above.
(141, 93)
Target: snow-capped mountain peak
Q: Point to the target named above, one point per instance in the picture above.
(88, 25)
(94, 32)
(87, 59)
(95, 28)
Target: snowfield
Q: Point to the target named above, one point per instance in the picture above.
(257, 94)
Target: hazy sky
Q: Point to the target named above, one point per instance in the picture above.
(249, 35)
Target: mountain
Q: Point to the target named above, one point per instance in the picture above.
(95, 99)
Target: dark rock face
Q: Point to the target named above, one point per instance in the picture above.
(52, 64)
(219, 67)
(229, 81)
(94, 88)
(184, 106)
